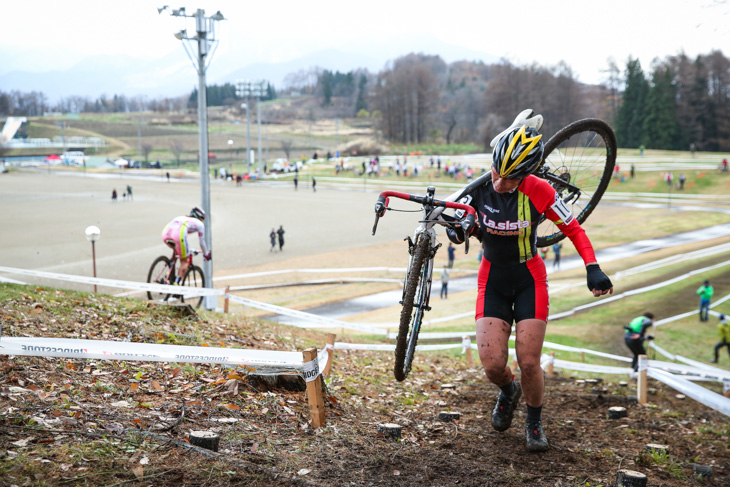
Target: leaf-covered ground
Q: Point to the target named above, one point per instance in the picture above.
(77, 422)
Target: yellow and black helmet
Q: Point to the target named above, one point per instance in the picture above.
(518, 153)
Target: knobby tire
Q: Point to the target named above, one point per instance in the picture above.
(587, 164)
(158, 274)
(194, 278)
(415, 281)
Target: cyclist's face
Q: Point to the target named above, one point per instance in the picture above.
(503, 185)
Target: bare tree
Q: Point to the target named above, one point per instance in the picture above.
(146, 149)
(286, 145)
(176, 147)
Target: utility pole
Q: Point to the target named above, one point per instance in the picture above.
(204, 38)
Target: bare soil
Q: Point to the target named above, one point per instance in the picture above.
(76, 422)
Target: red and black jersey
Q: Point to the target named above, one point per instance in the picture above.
(508, 221)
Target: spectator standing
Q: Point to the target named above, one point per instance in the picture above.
(314, 184)
(543, 253)
(682, 179)
(272, 237)
(168, 176)
(114, 195)
(445, 283)
(668, 178)
(634, 336)
(296, 182)
(556, 251)
(723, 329)
(633, 170)
(280, 233)
(705, 293)
(451, 250)
(129, 192)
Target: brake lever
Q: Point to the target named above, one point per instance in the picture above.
(375, 225)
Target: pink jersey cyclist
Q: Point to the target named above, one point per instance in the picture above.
(176, 232)
(175, 235)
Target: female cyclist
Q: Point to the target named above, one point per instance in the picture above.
(512, 276)
(175, 235)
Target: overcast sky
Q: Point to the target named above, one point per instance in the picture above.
(42, 35)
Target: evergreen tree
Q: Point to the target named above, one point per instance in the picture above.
(660, 129)
(631, 114)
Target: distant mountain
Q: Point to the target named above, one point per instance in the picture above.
(173, 74)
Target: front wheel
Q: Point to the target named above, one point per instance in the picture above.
(582, 155)
(415, 303)
(160, 271)
(194, 278)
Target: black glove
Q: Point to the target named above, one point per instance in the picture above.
(208, 256)
(596, 279)
(650, 337)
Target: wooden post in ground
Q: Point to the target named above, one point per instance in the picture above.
(583, 357)
(330, 352)
(387, 336)
(225, 302)
(467, 345)
(550, 364)
(641, 381)
(314, 390)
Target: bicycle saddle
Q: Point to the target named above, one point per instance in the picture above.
(526, 117)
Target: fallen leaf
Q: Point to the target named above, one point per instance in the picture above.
(233, 375)
(134, 387)
(304, 471)
(144, 461)
(265, 410)
(156, 385)
(22, 443)
(138, 471)
(176, 371)
(396, 472)
(254, 447)
(121, 404)
(230, 406)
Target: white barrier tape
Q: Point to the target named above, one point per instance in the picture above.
(323, 358)
(709, 373)
(310, 370)
(435, 335)
(634, 292)
(309, 318)
(391, 348)
(683, 257)
(465, 343)
(643, 363)
(260, 361)
(583, 367)
(330, 270)
(698, 393)
(329, 346)
(186, 291)
(725, 386)
(336, 280)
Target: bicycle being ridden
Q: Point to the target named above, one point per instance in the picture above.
(519, 193)
(175, 235)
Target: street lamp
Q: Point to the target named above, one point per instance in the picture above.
(205, 39)
(92, 235)
(255, 89)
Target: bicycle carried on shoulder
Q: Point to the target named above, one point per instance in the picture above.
(163, 271)
(578, 162)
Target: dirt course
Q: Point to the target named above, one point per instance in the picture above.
(75, 422)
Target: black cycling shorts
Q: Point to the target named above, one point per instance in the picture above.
(513, 292)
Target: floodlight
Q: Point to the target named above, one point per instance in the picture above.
(183, 34)
(218, 16)
(179, 12)
(161, 9)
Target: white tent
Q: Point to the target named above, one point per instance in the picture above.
(121, 162)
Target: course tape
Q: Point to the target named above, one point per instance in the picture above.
(698, 393)
(308, 318)
(259, 361)
(186, 291)
(330, 270)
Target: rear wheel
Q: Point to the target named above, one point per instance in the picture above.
(415, 303)
(581, 156)
(194, 278)
(159, 273)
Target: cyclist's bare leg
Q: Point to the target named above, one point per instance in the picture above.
(529, 338)
(493, 342)
(184, 265)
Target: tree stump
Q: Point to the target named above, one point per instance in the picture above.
(651, 447)
(205, 439)
(448, 416)
(630, 478)
(704, 471)
(390, 430)
(623, 383)
(617, 412)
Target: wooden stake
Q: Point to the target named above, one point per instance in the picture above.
(550, 364)
(314, 393)
(583, 357)
(225, 302)
(330, 352)
(387, 336)
(469, 362)
(641, 383)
